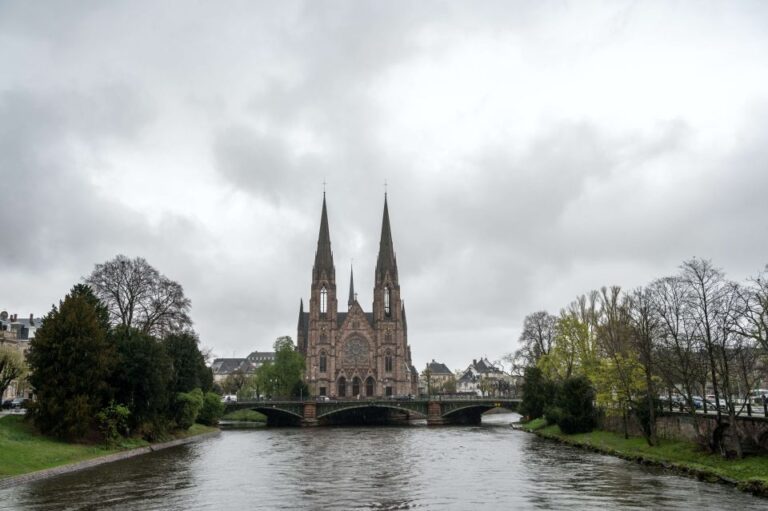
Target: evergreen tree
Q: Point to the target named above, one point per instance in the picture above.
(142, 379)
(188, 369)
(70, 361)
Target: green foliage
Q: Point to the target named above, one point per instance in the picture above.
(113, 422)
(71, 361)
(188, 369)
(212, 409)
(538, 393)
(142, 379)
(573, 409)
(283, 377)
(188, 406)
(234, 382)
(245, 415)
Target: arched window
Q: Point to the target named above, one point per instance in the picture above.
(323, 362)
(387, 308)
(323, 300)
(388, 362)
(342, 390)
(355, 386)
(369, 386)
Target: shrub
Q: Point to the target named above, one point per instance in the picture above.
(575, 397)
(538, 393)
(188, 405)
(113, 422)
(212, 409)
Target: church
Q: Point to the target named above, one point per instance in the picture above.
(356, 354)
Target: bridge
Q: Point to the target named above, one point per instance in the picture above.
(374, 411)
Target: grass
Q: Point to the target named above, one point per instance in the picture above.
(245, 415)
(24, 450)
(749, 473)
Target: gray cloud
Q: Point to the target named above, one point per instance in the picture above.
(533, 151)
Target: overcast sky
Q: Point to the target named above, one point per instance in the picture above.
(533, 151)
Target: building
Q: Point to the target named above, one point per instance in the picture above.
(356, 353)
(437, 378)
(16, 333)
(483, 378)
(223, 367)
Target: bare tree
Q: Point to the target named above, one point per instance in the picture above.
(643, 332)
(137, 295)
(536, 339)
(12, 366)
(754, 309)
(679, 362)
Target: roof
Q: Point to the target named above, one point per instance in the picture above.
(261, 355)
(386, 262)
(484, 366)
(438, 368)
(229, 365)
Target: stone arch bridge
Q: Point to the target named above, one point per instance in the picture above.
(370, 411)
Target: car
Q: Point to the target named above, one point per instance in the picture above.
(323, 398)
(229, 398)
(19, 403)
(7, 404)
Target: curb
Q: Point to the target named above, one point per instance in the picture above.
(109, 458)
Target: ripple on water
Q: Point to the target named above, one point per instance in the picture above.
(385, 468)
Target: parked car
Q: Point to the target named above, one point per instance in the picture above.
(229, 398)
(323, 398)
(7, 404)
(19, 403)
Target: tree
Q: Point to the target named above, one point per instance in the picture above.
(536, 339)
(538, 393)
(642, 336)
(283, 377)
(234, 382)
(188, 369)
(137, 295)
(573, 409)
(142, 379)
(71, 361)
(12, 366)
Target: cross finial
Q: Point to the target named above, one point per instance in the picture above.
(385, 187)
(324, 186)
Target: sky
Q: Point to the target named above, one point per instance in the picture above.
(532, 151)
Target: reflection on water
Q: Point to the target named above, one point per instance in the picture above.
(489, 466)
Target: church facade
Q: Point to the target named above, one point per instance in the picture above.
(356, 354)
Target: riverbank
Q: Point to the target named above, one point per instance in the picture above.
(26, 455)
(749, 474)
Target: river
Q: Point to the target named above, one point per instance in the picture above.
(490, 466)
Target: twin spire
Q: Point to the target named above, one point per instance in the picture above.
(386, 262)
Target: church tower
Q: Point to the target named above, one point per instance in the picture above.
(356, 354)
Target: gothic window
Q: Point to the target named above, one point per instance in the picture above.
(388, 391)
(355, 386)
(388, 362)
(342, 390)
(323, 300)
(323, 362)
(387, 309)
(369, 386)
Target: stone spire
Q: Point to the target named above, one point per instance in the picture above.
(324, 255)
(386, 261)
(352, 297)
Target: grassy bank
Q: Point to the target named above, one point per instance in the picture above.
(245, 415)
(23, 450)
(749, 473)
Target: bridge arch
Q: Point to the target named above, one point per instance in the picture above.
(277, 416)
